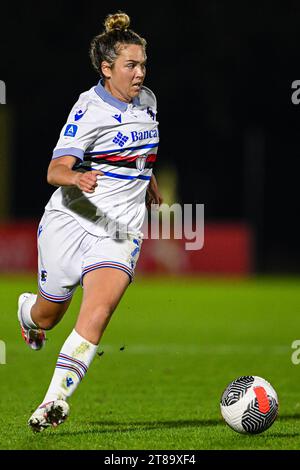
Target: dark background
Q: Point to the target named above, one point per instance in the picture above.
(222, 73)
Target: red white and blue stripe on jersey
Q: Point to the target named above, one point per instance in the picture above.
(135, 162)
(87, 156)
(120, 161)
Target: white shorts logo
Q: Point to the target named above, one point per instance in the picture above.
(43, 276)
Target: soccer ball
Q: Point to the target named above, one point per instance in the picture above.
(249, 405)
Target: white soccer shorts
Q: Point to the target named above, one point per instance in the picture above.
(66, 252)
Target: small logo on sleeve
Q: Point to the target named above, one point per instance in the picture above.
(79, 114)
(118, 117)
(71, 130)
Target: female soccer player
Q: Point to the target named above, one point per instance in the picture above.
(90, 231)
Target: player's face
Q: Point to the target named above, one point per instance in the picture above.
(125, 77)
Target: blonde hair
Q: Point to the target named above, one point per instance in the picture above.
(106, 46)
(119, 21)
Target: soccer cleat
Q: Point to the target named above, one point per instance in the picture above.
(34, 338)
(49, 414)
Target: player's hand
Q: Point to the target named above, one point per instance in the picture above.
(153, 198)
(153, 195)
(87, 182)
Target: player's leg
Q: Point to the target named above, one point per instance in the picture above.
(103, 289)
(59, 269)
(46, 314)
(99, 303)
(96, 309)
(37, 314)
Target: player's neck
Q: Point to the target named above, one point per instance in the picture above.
(115, 93)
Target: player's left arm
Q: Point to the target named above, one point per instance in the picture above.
(153, 195)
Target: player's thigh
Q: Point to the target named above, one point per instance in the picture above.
(107, 270)
(103, 289)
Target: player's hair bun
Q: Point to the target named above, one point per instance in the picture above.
(106, 45)
(118, 20)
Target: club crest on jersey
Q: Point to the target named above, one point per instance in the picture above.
(140, 163)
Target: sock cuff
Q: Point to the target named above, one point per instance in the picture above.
(25, 312)
(76, 336)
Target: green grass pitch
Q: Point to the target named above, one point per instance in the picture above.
(171, 348)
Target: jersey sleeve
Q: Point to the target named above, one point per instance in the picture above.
(80, 131)
(148, 99)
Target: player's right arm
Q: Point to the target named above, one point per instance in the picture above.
(80, 131)
(60, 173)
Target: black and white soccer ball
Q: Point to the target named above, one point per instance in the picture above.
(249, 405)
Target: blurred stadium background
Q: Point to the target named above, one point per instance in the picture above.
(222, 73)
(229, 131)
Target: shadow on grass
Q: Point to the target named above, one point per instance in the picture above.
(295, 417)
(124, 427)
(110, 427)
(281, 435)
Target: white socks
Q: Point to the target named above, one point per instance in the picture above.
(25, 312)
(73, 361)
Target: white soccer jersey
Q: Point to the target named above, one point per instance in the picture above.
(119, 139)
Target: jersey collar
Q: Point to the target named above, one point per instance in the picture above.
(110, 99)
